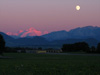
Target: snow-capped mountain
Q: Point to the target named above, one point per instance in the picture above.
(28, 32)
(88, 34)
(77, 33)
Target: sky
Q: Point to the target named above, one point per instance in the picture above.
(48, 15)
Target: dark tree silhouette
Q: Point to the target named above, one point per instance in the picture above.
(83, 46)
(68, 48)
(80, 46)
(40, 48)
(93, 49)
(98, 48)
(2, 44)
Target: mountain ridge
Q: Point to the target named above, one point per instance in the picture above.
(87, 34)
(80, 32)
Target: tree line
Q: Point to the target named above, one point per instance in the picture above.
(80, 46)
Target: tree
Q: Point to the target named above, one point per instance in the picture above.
(80, 46)
(68, 48)
(40, 48)
(2, 44)
(83, 46)
(93, 49)
(98, 48)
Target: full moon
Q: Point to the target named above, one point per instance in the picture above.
(77, 7)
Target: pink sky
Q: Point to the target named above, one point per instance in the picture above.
(48, 15)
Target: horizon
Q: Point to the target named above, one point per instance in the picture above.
(48, 16)
(34, 32)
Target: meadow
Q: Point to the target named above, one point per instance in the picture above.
(49, 64)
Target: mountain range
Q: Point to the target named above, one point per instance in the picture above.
(27, 33)
(77, 33)
(88, 34)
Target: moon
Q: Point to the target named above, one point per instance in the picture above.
(77, 7)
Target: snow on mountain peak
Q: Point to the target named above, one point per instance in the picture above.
(28, 32)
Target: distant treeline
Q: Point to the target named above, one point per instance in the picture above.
(81, 46)
(76, 47)
(23, 49)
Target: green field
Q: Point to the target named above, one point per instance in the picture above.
(49, 64)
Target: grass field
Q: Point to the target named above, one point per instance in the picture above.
(49, 64)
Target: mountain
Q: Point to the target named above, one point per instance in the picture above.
(90, 41)
(27, 33)
(57, 35)
(37, 40)
(85, 32)
(24, 42)
(8, 39)
(88, 34)
(77, 33)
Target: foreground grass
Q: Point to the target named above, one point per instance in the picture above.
(46, 64)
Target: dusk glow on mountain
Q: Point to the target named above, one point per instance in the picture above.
(28, 32)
